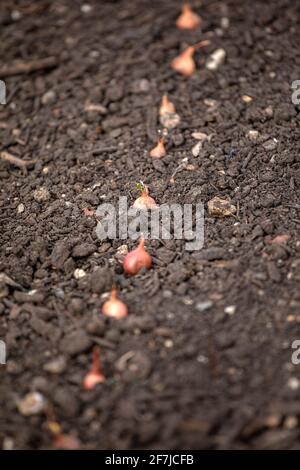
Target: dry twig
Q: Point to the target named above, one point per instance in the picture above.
(23, 164)
(21, 68)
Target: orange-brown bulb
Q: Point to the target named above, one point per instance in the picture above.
(184, 63)
(114, 307)
(94, 376)
(65, 442)
(137, 259)
(166, 107)
(159, 150)
(188, 18)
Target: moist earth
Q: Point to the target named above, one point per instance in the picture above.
(203, 360)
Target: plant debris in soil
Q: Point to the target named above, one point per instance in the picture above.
(203, 359)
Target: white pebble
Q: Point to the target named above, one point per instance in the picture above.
(290, 422)
(86, 8)
(41, 195)
(202, 359)
(20, 208)
(16, 15)
(202, 306)
(294, 383)
(79, 273)
(230, 310)
(49, 97)
(196, 149)
(216, 59)
(32, 404)
(224, 22)
(253, 135)
(8, 443)
(199, 136)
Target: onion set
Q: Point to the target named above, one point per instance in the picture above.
(94, 376)
(159, 150)
(144, 201)
(137, 259)
(188, 18)
(184, 63)
(114, 307)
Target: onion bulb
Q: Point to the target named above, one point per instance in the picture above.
(184, 63)
(188, 18)
(114, 307)
(66, 442)
(166, 106)
(137, 259)
(159, 150)
(144, 202)
(94, 376)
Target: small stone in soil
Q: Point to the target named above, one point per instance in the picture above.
(230, 310)
(247, 99)
(49, 97)
(200, 136)
(270, 144)
(253, 135)
(20, 208)
(33, 403)
(218, 207)
(56, 366)
(86, 8)
(294, 383)
(121, 252)
(290, 422)
(41, 195)
(216, 59)
(79, 273)
(196, 149)
(202, 306)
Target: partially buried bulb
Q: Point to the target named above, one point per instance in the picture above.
(188, 18)
(114, 307)
(137, 259)
(159, 150)
(144, 201)
(184, 63)
(94, 376)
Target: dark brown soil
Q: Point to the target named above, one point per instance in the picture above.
(194, 378)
